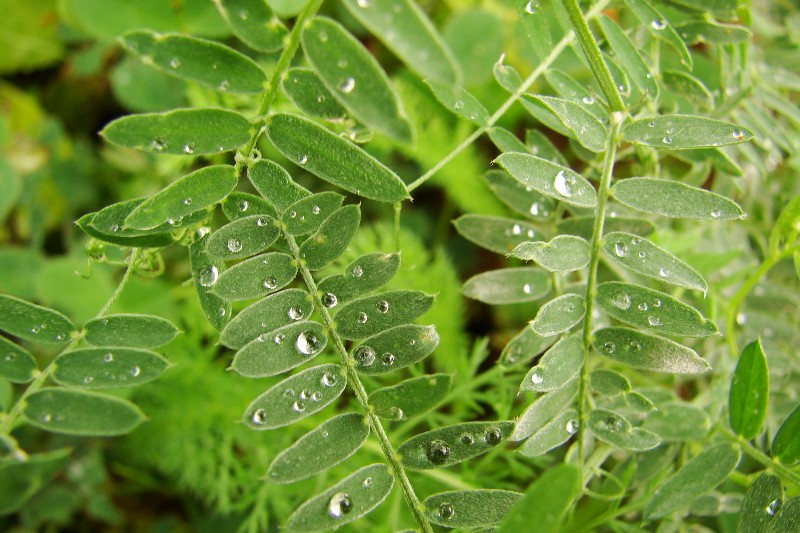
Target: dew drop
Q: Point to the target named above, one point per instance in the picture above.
(531, 233)
(87, 380)
(658, 24)
(270, 283)
(613, 424)
(305, 394)
(663, 272)
(493, 436)
(303, 159)
(47, 418)
(108, 357)
(308, 343)
(716, 213)
(652, 124)
(10, 356)
(459, 104)
(357, 272)
(741, 319)
(298, 407)
(363, 4)
(738, 134)
(259, 417)
(588, 100)
(387, 359)
(656, 303)
(296, 312)
(328, 379)
(262, 221)
(620, 249)
(329, 300)
(364, 355)
(609, 347)
(278, 339)
(667, 139)
(243, 14)
(243, 205)
(234, 245)
(642, 306)
(223, 86)
(438, 451)
(367, 483)
(527, 289)
(654, 321)
(315, 210)
(174, 62)
(288, 393)
(773, 507)
(395, 413)
(362, 317)
(467, 438)
(348, 85)
(634, 346)
(572, 426)
(621, 301)
(641, 255)
(516, 229)
(382, 306)
(537, 379)
(35, 329)
(531, 7)
(563, 184)
(339, 505)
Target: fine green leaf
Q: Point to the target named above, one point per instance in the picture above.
(19, 480)
(506, 76)
(268, 314)
(334, 159)
(648, 352)
(508, 285)
(373, 314)
(256, 277)
(320, 449)
(460, 102)
(395, 348)
(498, 234)
(108, 225)
(644, 257)
(470, 508)
(450, 445)
(544, 409)
(105, 368)
(16, 364)
(787, 227)
(762, 502)
(411, 397)
(564, 253)
(296, 397)
(571, 89)
(33, 322)
(506, 141)
(747, 402)
(525, 346)
(685, 84)
(545, 502)
(674, 199)
(697, 31)
(678, 422)
(365, 274)
(629, 56)
(608, 382)
(355, 77)
(718, 7)
(242, 204)
(660, 28)
(332, 238)
(280, 350)
(550, 179)
(274, 183)
(697, 477)
(786, 443)
(254, 23)
(559, 314)
(181, 132)
(640, 403)
(787, 519)
(136, 331)
(616, 430)
(208, 63)
(243, 237)
(348, 500)
(205, 272)
(678, 132)
(534, 20)
(311, 96)
(557, 366)
(653, 310)
(75, 412)
(577, 122)
(552, 435)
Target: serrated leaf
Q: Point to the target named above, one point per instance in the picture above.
(648, 352)
(675, 199)
(660, 28)
(552, 435)
(19, 480)
(522, 199)
(608, 382)
(678, 422)
(411, 397)
(470, 508)
(450, 445)
(525, 346)
(506, 141)
(17, 365)
(256, 277)
(498, 234)
(629, 57)
(563, 253)
(208, 63)
(747, 402)
(243, 204)
(680, 132)
(365, 274)
(683, 83)
(311, 96)
(557, 366)
(549, 179)
(697, 31)
(137, 331)
(506, 76)
(577, 122)
(762, 502)
(332, 238)
(108, 367)
(373, 314)
(395, 348)
(196, 131)
(653, 310)
(644, 257)
(280, 350)
(460, 102)
(544, 409)
(33, 322)
(268, 314)
(616, 430)
(508, 285)
(274, 183)
(75, 412)
(354, 77)
(243, 237)
(348, 500)
(581, 226)
(697, 477)
(559, 314)
(108, 225)
(320, 449)
(545, 502)
(334, 159)
(786, 443)
(205, 272)
(296, 397)
(253, 23)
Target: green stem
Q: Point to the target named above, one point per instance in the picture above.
(760, 457)
(354, 381)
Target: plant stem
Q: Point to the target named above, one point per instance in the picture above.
(355, 384)
(760, 457)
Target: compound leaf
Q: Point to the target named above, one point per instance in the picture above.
(374, 314)
(280, 350)
(76, 412)
(395, 348)
(508, 285)
(450, 445)
(33, 322)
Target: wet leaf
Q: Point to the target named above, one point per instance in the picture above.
(470, 508)
(557, 366)
(243, 204)
(373, 314)
(674, 199)
(311, 96)
(108, 225)
(75, 412)
(549, 179)
(256, 277)
(761, 504)
(660, 28)
(137, 331)
(274, 183)
(616, 430)
(678, 132)
(253, 23)
(450, 445)
(577, 122)
(205, 272)
(266, 315)
(460, 102)
(559, 315)
(332, 238)
(747, 402)
(534, 20)
(525, 346)
(395, 348)
(497, 234)
(545, 502)
(552, 435)
(786, 443)
(17, 365)
(629, 56)
(648, 352)
(365, 274)
(683, 83)
(564, 253)
(678, 422)
(19, 480)
(506, 142)
(508, 285)
(411, 397)
(33, 322)
(243, 237)
(544, 409)
(280, 350)
(609, 382)
(108, 367)
(697, 31)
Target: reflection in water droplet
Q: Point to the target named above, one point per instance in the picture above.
(654, 321)
(108, 357)
(609, 347)
(367, 483)
(563, 184)
(135, 371)
(308, 343)
(516, 229)
(773, 507)
(438, 451)
(667, 139)
(663, 272)
(658, 24)
(243, 205)
(270, 283)
(364, 355)
(348, 85)
(262, 221)
(588, 100)
(620, 249)
(493, 436)
(536, 378)
(328, 379)
(716, 213)
(234, 245)
(278, 339)
(303, 159)
(357, 272)
(88, 379)
(387, 359)
(531, 7)
(621, 301)
(362, 318)
(298, 406)
(446, 511)
(634, 346)
(259, 416)
(738, 134)
(339, 505)
(329, 300)
(296, 312)
(223, 86)
(383, 306)
(572, 425)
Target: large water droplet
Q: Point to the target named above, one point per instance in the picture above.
(348, 85)
(620, 249)
(270, 283)
(658, 24)
(259, 416)
(382, 306)
(609, 347)
(654, 321)
(339, 505)
(298, 406)
(387, 359)
(362, 318)
(438, 452)
(493, 436)
(296, 312)
(357, 272)
(467, 438)
(308, 343)
(364, 355)
(563, 184)
(329, 300)
(621, 301)
(773, 507)
(572, 426)
(537, 378)
(234, 245)
(328, 379)
(446, 511)
(243, 205)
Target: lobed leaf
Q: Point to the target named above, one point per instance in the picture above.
(470, 508)
(332, 238)
(616, 430)
(552, 435)
(680, 132)
(410, 397)
(786, 443)
(498, 234)
(450, 445)
(274, 183)
(253, 23)
(17, 365)
(33, 322)
(544, 409)
(309, 94)
(243, 237)
(557, 366)
(747, 401)
(136, 331)
(75, 412)
(660, 28)
(266, 315)
(674, 199)
(609, 382)
(549, 179)
(460, 102)
(395, 348)
(559, 315)
(525, 346)
(205, 272)
(365, 274)
(648, 352)
(564, 253)
(256, 277)
(629, 56)
(280, 350)
(545, 502)
(678, 422)
(108, 367)
(374, 314)
(508, 285)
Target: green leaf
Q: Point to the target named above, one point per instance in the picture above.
(578, 123)
(747, 402)
(242, 204)
(16, 364)
(581, 226)
(683, 83)
(787, 519)
(616, 430)
(786, 443)
(411, 397)
(19, 480)
(761, 504)
(105, 368)
(274, 183)
(498, 234)
(197, 131)
(564, 253)
(75, 412)
(787, 227)
(450, 445)
(679, 132)
(678, 422)
(332, 238)
(355, 78)
(254, 23)
(348, 500)
(525, 346)
(544, 409)
(334, 159)
(395, 348)
(653, 310)
(559, 314)
(507, 142)
(697, 31)
(137, 331)
(557, 366)
(33, 322)
(629, 56)
(609, 382)
(552, 435)
(108, 225)
(648, 352)
(640, 403)
(280, 350)
(534, 20)
(256, 277)
(697, 477)
(571, 89)
(412, 37)
(508, 285)
(268, 314)
(541, 146)
(296, 397)
(506, 76)
(320, 449)
(549, 179)
(460, 102)
(243, 237)
(675, 199)
(373, 314)
(660, 28)
(310, 95)
(545, 502)
(365, 274)
(470, 508)
(644, 257)
(205, 273)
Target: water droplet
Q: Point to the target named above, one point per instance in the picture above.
(773, 507)
(716, 213)
(348, 85)
(667, 139)
(363, 4)
(47, 418)
(35, 329)
(339, 505)
(367, 483)
(609, 347)
(328, 379)
(738, 134)
(234, 245)
(642, 306)
(259, 417)
(305, 394)
(563, 184)
(278, 339)
(493, 436)
(187, 201)
(438, 452)
(364, 355)
(663, 272)
(296, 312)
(516, 229)
(613, 423)
(223, 86)
(658, 24)
(459, 104)
(588, 100)
(243, 205)
(656, 303)
(622, 88)
(741, 319)
(243, 14)
(303, 159)
(308, 343)
(292, 214)
(387, 359)
(620, 249)
(135, 371)
(315, 210)
(298, 407)
(634, 346)
(531, 233)
(262, 221)
(288, 393)
(174, 62)
(395, 413)
(362, 317)
(654, 320)
(531, 7)
(537, 378)
(357, 272)
(88, 379)
(270, 283)
(108, 357)
(467, 438)
(527, 289)
(572, 426)
(635, 242)
(621, 301)
(383, 306)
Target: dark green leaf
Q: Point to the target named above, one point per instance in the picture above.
(787, 519)
(332, 238)
(549, 178)
(242, 204)
(280, 350)
(460, 102)
(498, 234)
(105, 368)
(508, 285)
(470, 508)
(411, 397)
(678, 132)
(552, 435)
(450, 445)
(507, 142)
(609, 382)
(394, 348)
(206, 273)
(675, 199)
(75, 412)
(564, 253)
(137, 331)
(254, 23)
(243, 237)
(268, 314)
(275, 184)
(311, 96)
(33, 322)
(19, 480)
(747, 402)
(108, 225)
(648, 352)
(559, 314)
(373, 314)
(256, 277)
(543, 410)
(365, 274)
(616, 430)
(557, 366)
(545, 502)
(525, 346)
(16, 364)
(762, 502)
(678, 422)
(786, 443)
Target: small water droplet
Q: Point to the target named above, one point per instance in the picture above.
(259, 417)
(328, 379)
(47, 418)
(234, 245)
(135, 371)
(367, 483)
(527, 289)
(516, 229)
(609, 347)
(656, 303)
(634, 346)
(459, 104)
(383, 306)
(315, 210)
(537, 379)
(467, 438)
(364, 355)
(773, 507)
(262, 221)
(642, 306)
(187, 201)
(35, 329)
(223, 86)
(243, 205)
(622, 88)
(620, 249)
(88, 379)
(363, 4)
(278, 339)
(387, 359)
(108, 357)
(654, 321)
(667, 139)
(716, 213)
(339, 505)
(308, 343)
(621, 300)
(572, 426)
(438, 451)
(174, 62)
(362, 317)
(302, 159)
(298, 406)
(357, 272)
(305, 394)
(243, 14)
(493, 436)
(395, 413)
(613, 423)
(288, 393)
(588, 100)
(531, 7)
(658, 24)
(663, 272)
(738, 134)
(296, 312)
(348, 85)
(270, 283)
